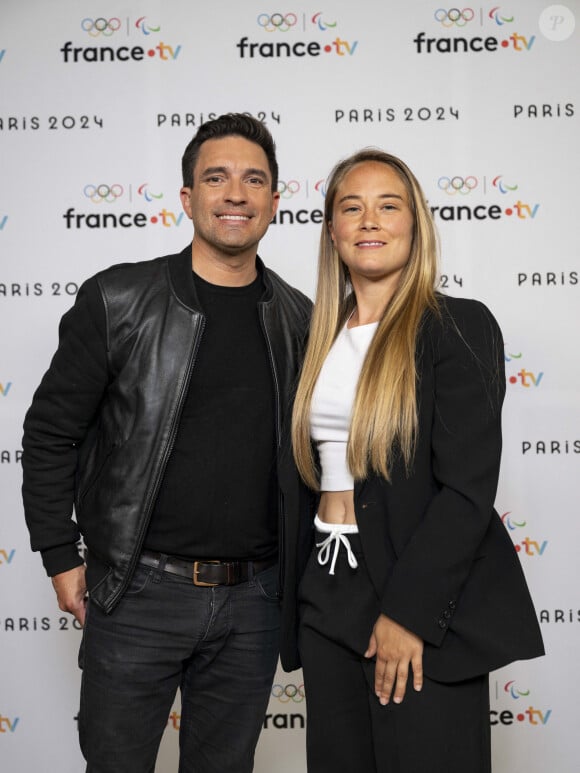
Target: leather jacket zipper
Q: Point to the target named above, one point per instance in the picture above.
(281, 521)
(162, 465)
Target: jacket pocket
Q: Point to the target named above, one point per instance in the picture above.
(93, 478)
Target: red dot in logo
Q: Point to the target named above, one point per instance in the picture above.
(505, 43)
(509, 211)
(513, 380)
(520, 717)
(518, 548)
(153, 219)
(151, 52)
(328, 49)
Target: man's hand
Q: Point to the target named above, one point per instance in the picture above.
(396, 649)
(71, 592)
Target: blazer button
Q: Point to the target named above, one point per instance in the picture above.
(451, 605)
(447, 614)
(442, 623)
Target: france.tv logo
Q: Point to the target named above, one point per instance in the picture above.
(101, 29)
(517, 695)
(472, 20)
(284, 45)
(460, 189)
(521, 378)
(102, 194)
(7, 556)
(526, 546)
(8, 725)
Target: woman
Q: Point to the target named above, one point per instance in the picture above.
(414, 591)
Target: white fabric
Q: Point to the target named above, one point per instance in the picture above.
(332, 402)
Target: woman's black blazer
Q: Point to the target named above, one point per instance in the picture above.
(439, 557)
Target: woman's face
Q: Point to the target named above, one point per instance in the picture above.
(372, 224)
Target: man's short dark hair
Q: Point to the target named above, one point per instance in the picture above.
(237, 124)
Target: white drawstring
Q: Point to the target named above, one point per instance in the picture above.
(325, 546)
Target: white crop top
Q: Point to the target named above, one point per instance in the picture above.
(332, 402)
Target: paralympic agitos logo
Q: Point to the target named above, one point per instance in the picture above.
(472, 21)
(282, 29)
(102, 194)
(115, 30)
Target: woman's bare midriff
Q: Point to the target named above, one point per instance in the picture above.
(337, 507)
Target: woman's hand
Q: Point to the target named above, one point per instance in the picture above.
(396, 648)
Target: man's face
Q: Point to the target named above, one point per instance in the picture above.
(231, 202)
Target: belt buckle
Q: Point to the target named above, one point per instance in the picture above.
(200, 583)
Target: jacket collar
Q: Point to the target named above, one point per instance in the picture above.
(183, 286)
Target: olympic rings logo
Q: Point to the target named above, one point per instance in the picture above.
(100, 26)
(288, 692)
(277, 21)
(102, 192)
(454, 16)
(288, 189)
(453, 185)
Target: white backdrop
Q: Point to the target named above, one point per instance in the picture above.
(98, 100)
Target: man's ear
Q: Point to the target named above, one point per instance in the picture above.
(185, 196)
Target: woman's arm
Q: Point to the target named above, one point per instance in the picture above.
(465, 441)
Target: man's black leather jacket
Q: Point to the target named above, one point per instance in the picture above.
(100, 429)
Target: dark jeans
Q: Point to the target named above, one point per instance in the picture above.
(219, 645)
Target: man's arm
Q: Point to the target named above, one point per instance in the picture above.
(62, 410)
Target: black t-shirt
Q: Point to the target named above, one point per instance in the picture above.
(218, 495)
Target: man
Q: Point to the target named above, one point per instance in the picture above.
(160, 417)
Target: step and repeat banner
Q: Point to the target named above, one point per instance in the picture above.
(98, 100)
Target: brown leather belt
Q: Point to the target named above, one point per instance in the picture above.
(205, 573)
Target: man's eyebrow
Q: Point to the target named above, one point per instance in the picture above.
(214, 170)
(257, 172)
(356, 197)
(223, 170)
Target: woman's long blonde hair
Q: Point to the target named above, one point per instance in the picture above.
(384, 418)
